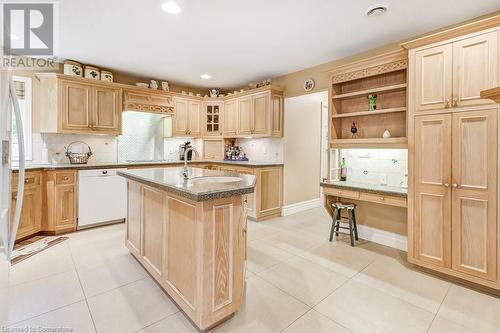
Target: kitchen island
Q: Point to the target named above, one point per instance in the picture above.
(190, 235)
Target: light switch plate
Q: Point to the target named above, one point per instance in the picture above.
(383, 179)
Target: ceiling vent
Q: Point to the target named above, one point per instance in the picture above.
(376, 11)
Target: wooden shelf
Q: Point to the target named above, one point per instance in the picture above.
(371, 91)
(368, 113)
(370, 143)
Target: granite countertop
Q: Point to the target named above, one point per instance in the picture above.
(171, 180)
(370, 188)
(251, 164)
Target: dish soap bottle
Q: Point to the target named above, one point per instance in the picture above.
(343, 170)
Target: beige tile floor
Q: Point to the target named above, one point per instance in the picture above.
(297, 282)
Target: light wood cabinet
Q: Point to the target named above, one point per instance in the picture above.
(106, 116)
(60, 201)
(452, 74)
(230, 121)
(187, 117)
(77, 105)
(474, 199)
(455, 214)
(277, 116)
(475, 68)
(212, 122)
(432, 235)
(245, 124)
(134, 218)
(30, 222)
(261, 114)
(268, 191)
(433, 77)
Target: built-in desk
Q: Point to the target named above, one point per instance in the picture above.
(382, 194)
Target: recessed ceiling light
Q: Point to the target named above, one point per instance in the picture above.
(376, 10)
(206, 76)
(171, 7)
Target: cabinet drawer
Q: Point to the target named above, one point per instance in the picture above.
(383, 199)
(65, 178)
(341, 193)
(31, 179)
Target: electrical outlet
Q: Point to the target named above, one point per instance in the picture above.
(383, 179)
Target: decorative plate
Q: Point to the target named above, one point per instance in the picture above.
(308, 84)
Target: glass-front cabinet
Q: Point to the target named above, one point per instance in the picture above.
(213, 119)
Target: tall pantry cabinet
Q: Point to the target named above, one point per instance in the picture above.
(453, 200)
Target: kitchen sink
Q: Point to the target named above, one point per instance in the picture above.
(214, 179)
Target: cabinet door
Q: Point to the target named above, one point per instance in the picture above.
(212, 120)
(475, 193)
(432, 214)
(31, 212)
(245, 126)
(180, 117)
(277, 116)
(230, 118)
(153, 221)
(76, 104)
(65, 206)
(133, 229)
(261, 114)
(107, 110)
(269, 191)
(475, 68)
(194, 119)
(433, 78)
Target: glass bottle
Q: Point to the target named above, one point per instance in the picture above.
(343, 170)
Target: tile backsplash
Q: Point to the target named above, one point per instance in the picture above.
(371, 166)
(104, 148)
(263, 149)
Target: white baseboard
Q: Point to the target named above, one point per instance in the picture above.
(300, 206)
(383, 237)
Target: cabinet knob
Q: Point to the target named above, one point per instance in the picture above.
(65, 178)
(382, 198)
(446, 185)
(455, 101)
(447, 103)
(455, 185)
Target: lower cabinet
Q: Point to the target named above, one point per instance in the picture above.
(60, 201)
(194, 250)
(267, 199)
(455, 219)
(30, 222)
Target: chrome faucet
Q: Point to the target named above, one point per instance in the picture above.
(185, 172)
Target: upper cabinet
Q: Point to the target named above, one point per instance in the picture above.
(212, 125)
(256, 114)
(187, 117)
(76, 105)
(453, 73)
(230, 122)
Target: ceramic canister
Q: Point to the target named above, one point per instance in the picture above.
(73, 68)
(92, 72)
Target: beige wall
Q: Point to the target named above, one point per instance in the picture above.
(302, 147)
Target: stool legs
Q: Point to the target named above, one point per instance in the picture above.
(355, 225)
(334, 223)
(350, 212)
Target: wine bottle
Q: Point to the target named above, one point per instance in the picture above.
(343, 170)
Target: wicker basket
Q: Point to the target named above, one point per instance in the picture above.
(78, 158)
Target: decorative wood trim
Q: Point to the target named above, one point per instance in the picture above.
(148, 108)
(366, 72)
(386, 62)
(455, 31)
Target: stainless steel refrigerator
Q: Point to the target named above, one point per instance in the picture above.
(9, 216)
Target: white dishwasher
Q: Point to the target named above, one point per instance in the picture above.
(102, 197)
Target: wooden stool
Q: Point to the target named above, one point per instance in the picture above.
(353, 229)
